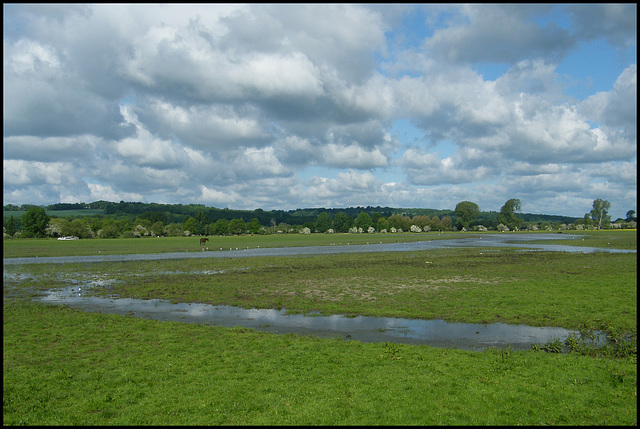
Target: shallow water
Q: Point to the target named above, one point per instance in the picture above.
(435, 333)
(476, 241)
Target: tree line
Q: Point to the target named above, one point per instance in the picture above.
(130, 220)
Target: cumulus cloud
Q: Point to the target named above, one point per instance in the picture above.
(231, 105)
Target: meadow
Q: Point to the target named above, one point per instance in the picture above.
(65, 366)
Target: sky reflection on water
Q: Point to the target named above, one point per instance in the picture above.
(436, 333)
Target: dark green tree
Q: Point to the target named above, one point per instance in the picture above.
(382, 224)
(507, 215)
(190, 225)
(631, 215)
(254, 227)
(11, 226)
(221, 227)
(34, 222)
(600, 212)
(467, 212)
(201, 222)
(363, 221)
(157, 228)
(324, 222)
(342, 222)
(109, 229)
(237, 226)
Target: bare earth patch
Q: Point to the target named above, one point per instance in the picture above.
(366, 288)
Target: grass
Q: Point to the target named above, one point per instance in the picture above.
(67, 367)
(458, 285)
(20, 248)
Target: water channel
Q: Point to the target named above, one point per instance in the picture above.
(436, 333)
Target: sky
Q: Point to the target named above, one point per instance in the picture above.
(286, 106)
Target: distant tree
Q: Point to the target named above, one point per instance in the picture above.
(11, 226)
(201, 221)
(237, 226)
(342, 222)
(436, 224)
(174, 230)
(254, 227)
(466, 211)
(507, 215)
(109, 229)
(324, 222)
(599, 214)
(447, 223)
(382, 224)
(363, 221)
(190, 225)
(399, 222)
(221, 227)
(79, 228)
(157, 228)
(34, 222)
(421, 221)
(631, 215)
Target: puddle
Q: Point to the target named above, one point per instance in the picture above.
(435, 333)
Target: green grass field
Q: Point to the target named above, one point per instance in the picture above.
(68, 367)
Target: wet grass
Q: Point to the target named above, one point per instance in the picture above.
(22, 248)
(457, 285)
(606, 238)
(67, 367)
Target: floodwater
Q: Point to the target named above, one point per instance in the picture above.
(437, 333)
(525, 241)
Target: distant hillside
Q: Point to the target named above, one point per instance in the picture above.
(179, 213)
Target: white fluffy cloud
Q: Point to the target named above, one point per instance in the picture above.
(231, 105)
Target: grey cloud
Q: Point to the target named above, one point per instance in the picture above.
(615, 22)
(495, 33)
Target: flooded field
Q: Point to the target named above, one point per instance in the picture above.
(505, 240)
(436, 333)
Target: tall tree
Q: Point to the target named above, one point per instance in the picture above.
(599, 214)
(466, 211)
(324, 222)
(34, 222)
(507, 215)
(342, 222)
(201, 222)
(363, 221)
(11, 226)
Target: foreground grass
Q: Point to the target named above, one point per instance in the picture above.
(66, 367)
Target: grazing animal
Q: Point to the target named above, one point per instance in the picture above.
(203, 240)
